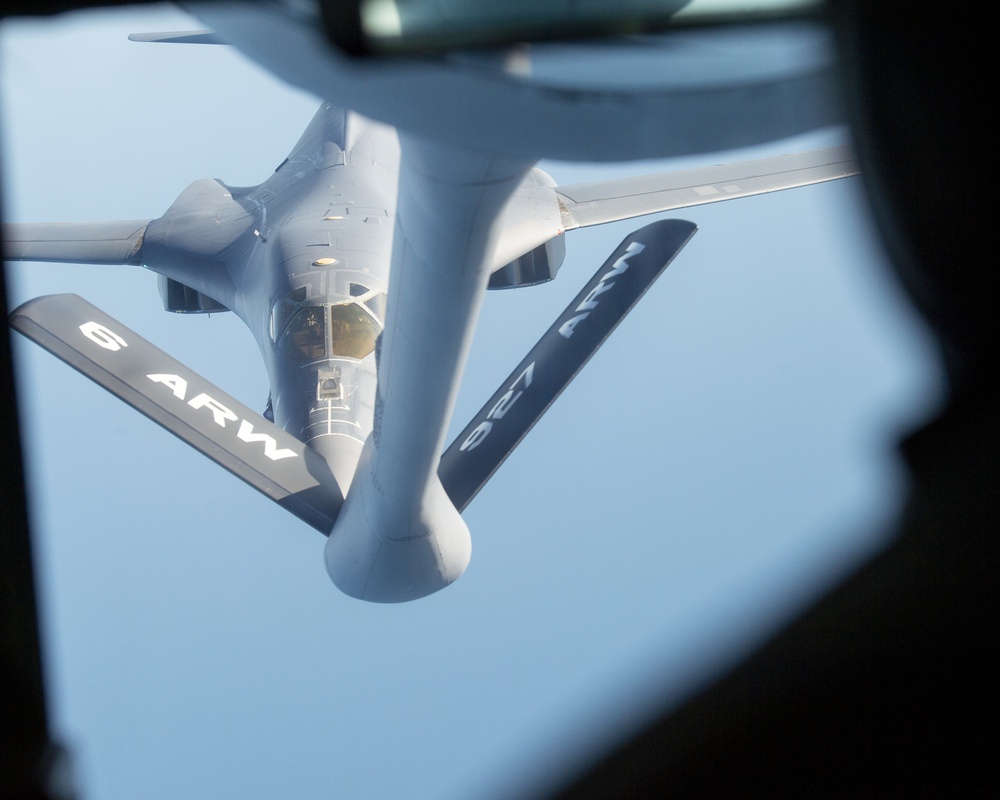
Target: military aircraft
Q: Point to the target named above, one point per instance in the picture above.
(359, 267)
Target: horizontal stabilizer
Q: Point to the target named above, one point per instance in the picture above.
(558, 356)
(204, 416)
(586, 204)
(74, 242)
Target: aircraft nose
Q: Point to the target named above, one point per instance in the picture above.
(341, 453)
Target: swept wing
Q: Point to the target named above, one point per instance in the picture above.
(585, 204)
(75, 242)
(541, 210)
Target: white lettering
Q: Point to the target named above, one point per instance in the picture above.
(221, 414)
(501, 407)
(503, 404)
(529, 371)
(589, 303)
(176, 383)
(622, 264)
(219, 411)
(105, 337)
(566, 329)
(271, 450)
(477, 436)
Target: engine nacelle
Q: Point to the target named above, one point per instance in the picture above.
(531, 247)
(181, 299)
(536, 266)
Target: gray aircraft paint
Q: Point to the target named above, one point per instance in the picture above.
(220, 426)
(346, 209)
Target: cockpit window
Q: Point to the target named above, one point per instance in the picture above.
(352, 331)
(312, 332)
(304, 338)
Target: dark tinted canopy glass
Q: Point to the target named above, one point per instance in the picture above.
(312, 332)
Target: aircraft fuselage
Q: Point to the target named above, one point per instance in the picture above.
(303, 259)
(371, 245)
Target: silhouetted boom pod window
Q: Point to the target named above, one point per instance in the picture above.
(352, 331)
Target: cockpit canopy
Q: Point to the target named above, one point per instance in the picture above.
(309, 331)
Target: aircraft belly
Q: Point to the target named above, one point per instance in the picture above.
(399, 536)
(766, 82)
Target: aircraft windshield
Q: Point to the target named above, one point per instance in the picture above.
(309, 333)
(352, 331)
(304, 338)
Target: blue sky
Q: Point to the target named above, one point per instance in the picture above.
(725, 456)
